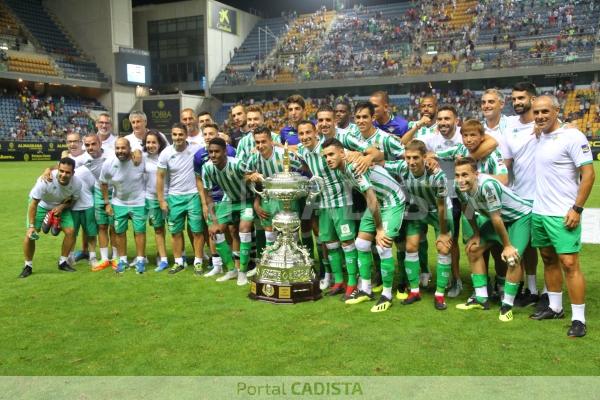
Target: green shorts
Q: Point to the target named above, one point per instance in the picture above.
(181, 206)
(66, 218)
(102, 218)
(519, 232)
(229, 213)
(414, 227)
(549, 231)
(86, 220)
(391, 220)
(155, 214)
(272, 207)
(124, 213)
(336, 224)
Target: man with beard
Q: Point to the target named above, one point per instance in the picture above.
(240, 125)
(128, 201)
(57, 196)
(425, 126)
(520, 148)
(384, 118)
(189, 119)
(564, 179)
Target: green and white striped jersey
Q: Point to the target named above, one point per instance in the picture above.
(335, 193)
(230, 179)
(247, 146)
(423, 190)
(492, 164)
(491, 195)
(391, 147)
(349, 141)
(422, 131)
(388, 191)
(273, 165)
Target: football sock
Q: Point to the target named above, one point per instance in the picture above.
(411, 265)
(104, 253)
(443, 272)
(335, 259)
(351, 263)
(480, 285)
(578, 311)
(555, 299)
(532, 284)
(365, 261)
(224, 251)
(245, 245)
(510, 292)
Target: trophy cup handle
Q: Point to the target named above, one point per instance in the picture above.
(261, 193)
(317, 183)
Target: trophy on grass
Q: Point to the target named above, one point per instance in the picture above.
(285, 273)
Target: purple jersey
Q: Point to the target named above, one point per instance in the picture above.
(289, 135)
(396, 125)
(200, 158)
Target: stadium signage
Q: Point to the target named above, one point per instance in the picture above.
(223, 18)
(162, 114)
(13, 150)
(595, 146)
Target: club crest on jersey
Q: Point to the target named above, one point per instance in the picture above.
(490, 195)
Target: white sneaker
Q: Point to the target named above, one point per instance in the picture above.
(324, 284)
(456, 289)
(92, 262)
(71, 260)
(242, 279)
(424, 279)
(229, 275)
(214, 271)
(251, 273)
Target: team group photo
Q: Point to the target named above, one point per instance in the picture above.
(271, 189)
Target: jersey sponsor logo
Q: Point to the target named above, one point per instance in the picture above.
(585, 148)
(490, 195)
(345, 229)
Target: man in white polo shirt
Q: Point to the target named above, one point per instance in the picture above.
(564, 180)
(128, 201)
(176, 167)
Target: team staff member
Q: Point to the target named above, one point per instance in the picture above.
(175, 170)
(56, 196)
(564, 180)
(128, 201)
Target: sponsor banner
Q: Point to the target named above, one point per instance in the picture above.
(124, 127)
(162, 114)
(14, 150)
(223, 18)
(595, 147)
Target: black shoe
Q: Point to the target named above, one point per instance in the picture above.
(543, 303)
(26, 272)
(526, 299)
(577, 329)
(176, 268)
(547, 313)
(64, 266)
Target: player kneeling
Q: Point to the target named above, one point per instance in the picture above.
(505, 218)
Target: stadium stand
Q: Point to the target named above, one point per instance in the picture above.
(46, 31)
(27, 116)
(428, 37)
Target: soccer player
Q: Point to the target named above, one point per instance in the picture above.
(210, 132)
(343, 114)
(128, 201)
(154, 145)
(240, 125)
(104, 131)
(334, 206)
(564, 180)
(380, 223)
(384, 118)
(56, 196)
(520, 148)
(427, 124)
(83, 211)
(295, 107)
(246, 145)
(428, 196)
(189, 119)
(507, 221)
(176, 172)
(371, 135)
(235, 208)
(267, 161)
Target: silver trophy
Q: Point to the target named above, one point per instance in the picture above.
(285, 272)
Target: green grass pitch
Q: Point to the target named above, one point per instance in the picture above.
(101, 324)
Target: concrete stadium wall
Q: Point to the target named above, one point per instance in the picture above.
(219, 45)
(99, 28)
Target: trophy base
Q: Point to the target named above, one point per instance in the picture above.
(280, 293)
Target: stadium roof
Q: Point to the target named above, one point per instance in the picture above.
(274, 8)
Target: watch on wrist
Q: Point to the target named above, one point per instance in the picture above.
(577, 209)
